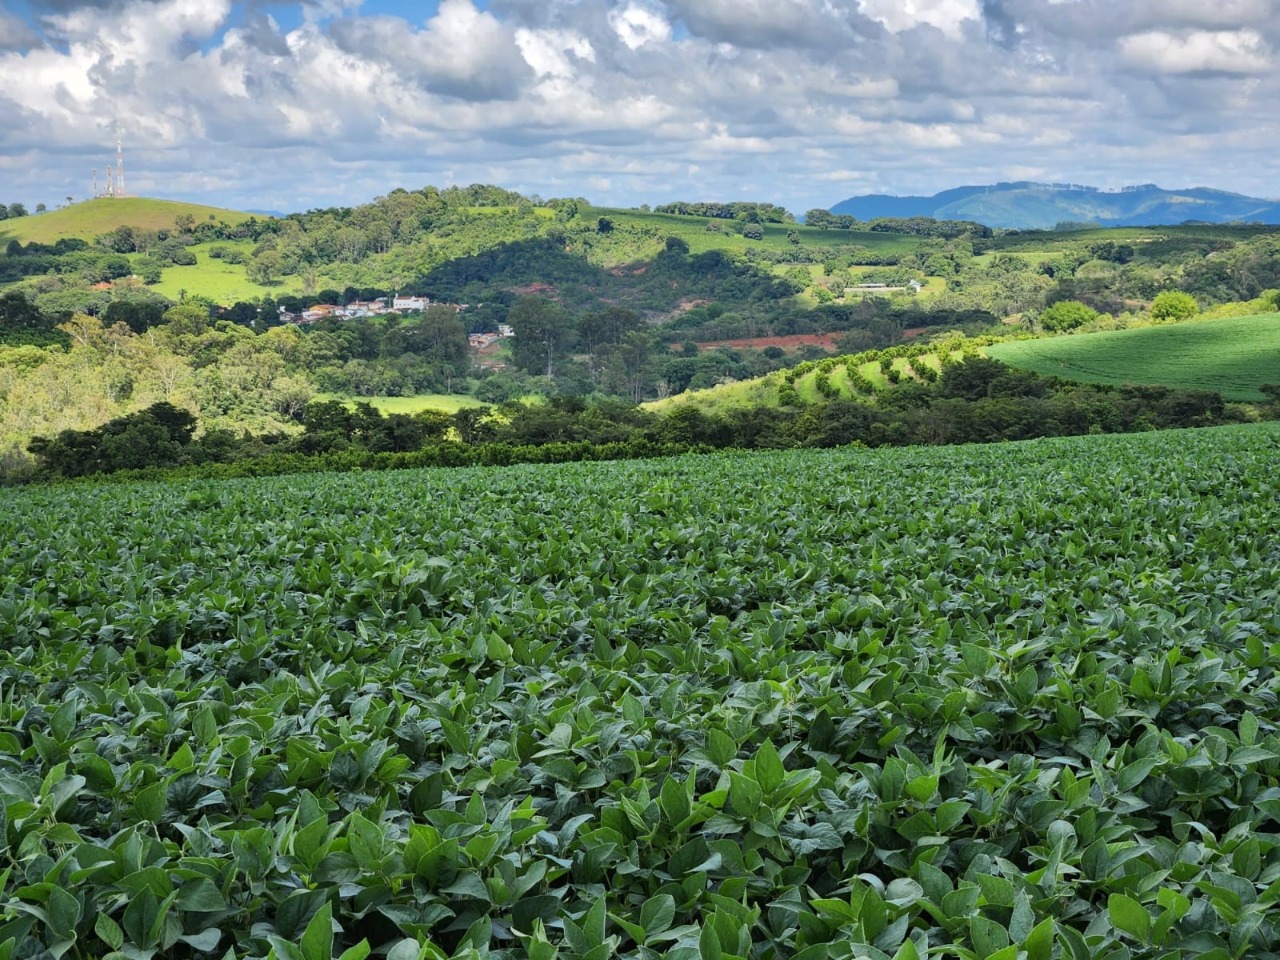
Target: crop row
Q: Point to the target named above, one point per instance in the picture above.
(1007, 701)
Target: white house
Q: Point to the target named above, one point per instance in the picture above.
(405, 304)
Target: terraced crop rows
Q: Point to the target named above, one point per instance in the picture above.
(999, 702)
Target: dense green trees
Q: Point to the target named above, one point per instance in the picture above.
(974, 401)
(1173, 306)
(18, 312)
(1066, 315)
(744, 211)
(544, 334)
(155, 437)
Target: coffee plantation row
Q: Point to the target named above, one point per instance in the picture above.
(1003, 702)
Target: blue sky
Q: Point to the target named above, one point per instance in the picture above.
(798, 102)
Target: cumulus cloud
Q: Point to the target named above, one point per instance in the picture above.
(637, 26)
(461, 51)
(946, 15)
(1200, 51)
(247, 103)
(762, 24)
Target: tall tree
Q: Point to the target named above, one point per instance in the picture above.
(544, 334)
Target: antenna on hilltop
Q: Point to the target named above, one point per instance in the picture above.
(119, 166)
(95, 182)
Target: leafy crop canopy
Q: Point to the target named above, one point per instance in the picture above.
(1010, 701)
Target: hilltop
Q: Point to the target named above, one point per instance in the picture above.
(1039, 206)
(92, 218)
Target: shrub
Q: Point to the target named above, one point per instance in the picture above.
(1174, 306)
(1067, 315)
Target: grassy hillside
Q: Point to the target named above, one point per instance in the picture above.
(91, 218)
(1233, 357)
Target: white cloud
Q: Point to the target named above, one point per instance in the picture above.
(553, 52)
(898, 15)
(636, 26)
(796, 99)
(1201, 51)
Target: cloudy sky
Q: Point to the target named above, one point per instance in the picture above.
(276, 106)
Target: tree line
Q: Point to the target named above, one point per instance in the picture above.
(976, 401)
(746, 211)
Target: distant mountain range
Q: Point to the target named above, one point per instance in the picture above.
(1041, 206)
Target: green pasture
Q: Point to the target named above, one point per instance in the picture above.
(220, 281)
(443, 402)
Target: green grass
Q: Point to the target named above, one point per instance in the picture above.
(91, 218)
(1233, 357)
(221, 282)
(444, 402)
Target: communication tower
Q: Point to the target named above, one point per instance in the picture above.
(115, 174)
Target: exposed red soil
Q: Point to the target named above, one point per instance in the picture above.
(534, 289)
(789, 343)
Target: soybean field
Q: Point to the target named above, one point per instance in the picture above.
(1009, 701)
(1233, 356)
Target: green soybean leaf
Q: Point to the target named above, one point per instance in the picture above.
(1129, 916)
(317, 939)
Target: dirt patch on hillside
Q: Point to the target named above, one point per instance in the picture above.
(789, 343)
(535, 290)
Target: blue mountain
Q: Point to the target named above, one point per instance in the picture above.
(1025, 205)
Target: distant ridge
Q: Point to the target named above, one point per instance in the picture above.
(1025, 205)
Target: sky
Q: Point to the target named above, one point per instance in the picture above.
(274, 106)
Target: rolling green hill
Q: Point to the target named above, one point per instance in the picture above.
(1232, 357)
(92, 218)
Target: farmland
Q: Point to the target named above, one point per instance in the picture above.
(1233, 356)
(1003, 701)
